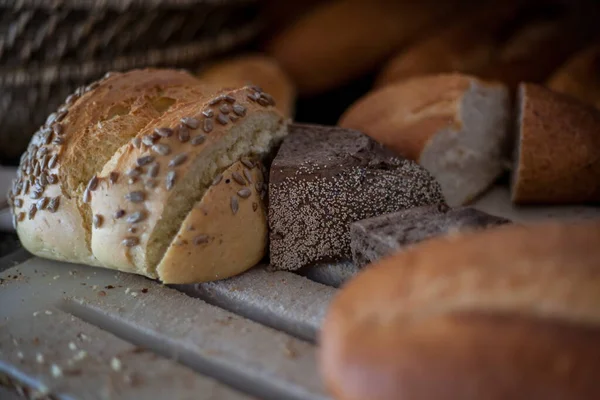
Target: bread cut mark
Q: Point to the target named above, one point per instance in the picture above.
(254, 137)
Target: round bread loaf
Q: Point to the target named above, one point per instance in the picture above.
(507, 313)
(456, 126)
(124, 163)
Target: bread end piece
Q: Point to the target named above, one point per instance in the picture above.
(224, 234)
(556, 151)
(456, 126)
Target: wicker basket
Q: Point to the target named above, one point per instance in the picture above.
(50, 47)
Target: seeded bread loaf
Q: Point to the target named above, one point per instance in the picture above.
(557, 149)
(456, 126)
(254, 69)
(580, 76)
(507, 313)
(123, 163)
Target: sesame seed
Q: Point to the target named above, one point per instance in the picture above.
(36, 169)
(57, 129)
(247, 162)
(144, 160)
(244, 193)
(248, 175)
(51, 118)
(87, 196)
(52, 179)
(97, 220)
(113, 177)
(190, 122)
(164, 132)
(42, 180)
(216, 100)
(153, 170)
(93, 183)
(32, 211)
(233, 117)
(41, 204)
(201, 239)
(208, 113)
(225, 108)
(183, 133)
(222, 119)
(229, 99)
(36, 193)
(235, 206)
(208, 125)
(130, 241)
(137, 142)
(18, 202)
(133, 172)
(71, 98)
(178, 160)
(217, 179)
(54, 203)
(170, 180)
(161, 149)
(136, 217)
(148, 140)
(239, 110)
(119, 214)
(92, 86)
(58, 140)
(136, 196)
(132, 229)
(238, 178)
(256, 88)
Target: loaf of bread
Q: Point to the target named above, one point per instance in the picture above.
(506, 313)
(456, 126)
(557, 148)
(510, 41)
(127, 170)
(579, 77)
(341, 39)
(257, 70)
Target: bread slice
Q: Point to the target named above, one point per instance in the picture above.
(375, 238)
(456, 126)
(557, 154)
(506, 313)
(580, 76)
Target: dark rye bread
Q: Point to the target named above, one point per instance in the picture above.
(375, 238)
(325, 178)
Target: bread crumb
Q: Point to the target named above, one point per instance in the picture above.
(134, 294)
(20, 355)
(127, 290)
(72, 346)
(35, 314)
(48, 312)
(115, 364)
(56, 277)
(39, 357)
(80, 356)
(56, 371)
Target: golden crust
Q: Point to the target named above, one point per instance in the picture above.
(515, 304)
(559, 143)
(213, 242)
(404, 116)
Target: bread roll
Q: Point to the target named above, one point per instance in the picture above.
(507, 313)
(456, 126)
(580, 76)
(124, 162)
(254, 69)
(556, 154)
(340, 40)
(510, 41)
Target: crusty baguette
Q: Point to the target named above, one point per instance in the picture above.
(456, 126)
(507, 313)
(254, 69)
(340, 40)
(123, 163)
(510, 41)
(579, 77)
(557, 152)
